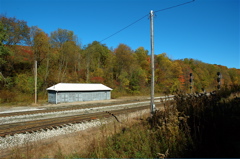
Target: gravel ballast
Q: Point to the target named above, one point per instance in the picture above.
(39, 116)
(24, 139)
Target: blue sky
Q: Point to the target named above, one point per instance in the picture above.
(205, 30)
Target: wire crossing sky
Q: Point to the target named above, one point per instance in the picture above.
(124, 28)
(143, 18)
(205, 30)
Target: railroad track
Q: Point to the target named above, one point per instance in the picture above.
(54, 123)
(74, 107)
(59, 109)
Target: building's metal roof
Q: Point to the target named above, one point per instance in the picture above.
(79, 87)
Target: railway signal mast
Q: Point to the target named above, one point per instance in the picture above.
(219, 80)
(191, 83)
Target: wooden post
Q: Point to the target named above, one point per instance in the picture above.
(35, 77)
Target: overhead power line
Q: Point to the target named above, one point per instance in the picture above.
(124, 28)
(160, 10)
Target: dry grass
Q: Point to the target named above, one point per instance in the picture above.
(163, 134)
(194, 125)
(214, 122)
(70, 145)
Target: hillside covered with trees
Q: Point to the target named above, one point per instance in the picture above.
(61, 58)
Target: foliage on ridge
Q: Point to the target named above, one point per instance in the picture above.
(61, 58)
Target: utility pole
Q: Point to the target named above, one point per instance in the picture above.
(35, 77)
(152, 105)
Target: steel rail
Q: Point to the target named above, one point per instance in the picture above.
(64, 108)
(44, 124)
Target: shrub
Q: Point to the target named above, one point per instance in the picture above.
(7, 96)
(214, 122)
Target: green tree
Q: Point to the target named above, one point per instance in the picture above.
(3, 49)
(4, 53)
(25, 83)
(68, 60)
(139, 72)
(41, 49)
(67, 54)
(234, 75)
(96, 57)
(142, 58)
(124, 61)
(164, 74)
(40, 46)
(60, 36)
(17, 30)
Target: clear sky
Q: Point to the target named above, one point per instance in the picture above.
(205, 30)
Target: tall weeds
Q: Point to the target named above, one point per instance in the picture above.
(194, 125)
(166, 134)
(214, 121)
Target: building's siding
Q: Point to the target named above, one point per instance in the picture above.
(51, 96)
(67, 97)
(108, 95)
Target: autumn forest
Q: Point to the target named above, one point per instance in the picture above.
(61, 58)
